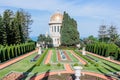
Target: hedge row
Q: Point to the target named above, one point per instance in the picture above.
(84, 57)
(12, 51)
(41, 58)
(104, 49)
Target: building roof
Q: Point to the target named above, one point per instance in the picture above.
(56, 18)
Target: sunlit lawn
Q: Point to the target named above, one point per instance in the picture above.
(104, 66)
(26, 66)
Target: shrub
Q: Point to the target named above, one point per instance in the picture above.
(41, 58)
(84, 57)
(9, 52)
(86, 65)
(96, 64)
(58, 64)
(48, 64)
(104, 49)
(76, 64)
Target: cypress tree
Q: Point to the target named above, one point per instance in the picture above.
(69, 33)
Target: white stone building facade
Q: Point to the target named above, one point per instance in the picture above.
(55, 24)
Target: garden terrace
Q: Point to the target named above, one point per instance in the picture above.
(100, 65)
(53, 65)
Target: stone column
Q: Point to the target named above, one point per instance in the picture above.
(77, 72)
(83, 51)
(39, 51)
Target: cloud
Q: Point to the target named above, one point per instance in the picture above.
(88, 13)
(72, 7)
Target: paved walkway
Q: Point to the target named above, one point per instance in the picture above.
(117, 62)
(48, 57)
(39, 77)
(98, 75)
(81, 60)
(69, 70)
(3, 65)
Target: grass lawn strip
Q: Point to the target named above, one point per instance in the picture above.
(104, 62)
(72, 56)
(99, 69)
(54, 56)
(79, 55)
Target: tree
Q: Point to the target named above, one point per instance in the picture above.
(102, 33)
(1, 30)
(14, 28)
(7, 18)
(45, 40)
(23, 21)
(91, 39)
(118, 42)
(41, 38)
(113, 34)
(69, 33)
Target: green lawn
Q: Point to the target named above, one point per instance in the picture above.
(104, 67)
(54, 56)
(26, 66)
(71, 56)
(108, 66)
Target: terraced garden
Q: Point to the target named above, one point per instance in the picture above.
(55, 63)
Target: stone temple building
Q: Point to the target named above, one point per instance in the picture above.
(55, 26)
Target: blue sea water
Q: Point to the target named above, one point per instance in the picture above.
(34, 38)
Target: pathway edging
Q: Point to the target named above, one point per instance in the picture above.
(3, 65)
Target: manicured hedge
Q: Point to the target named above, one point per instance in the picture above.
(84, 57)
(104, 49)
(41, 58)
(12, 51)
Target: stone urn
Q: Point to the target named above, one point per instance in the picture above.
(77, 72)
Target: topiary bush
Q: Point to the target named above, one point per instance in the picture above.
(12, 51)
(86, 65)
(96, 64)
(76, 64)
(58, 64)
(104, 49)
(48, 64)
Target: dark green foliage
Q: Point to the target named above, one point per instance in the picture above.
(96, 64)
(46, 39)
(104, 49)
(90, 39)
(48, 64)
(41, 58)
(118, 42)
(12, 51)
(58, 64)
(69, 33)
(76, 64)
(14, 27)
